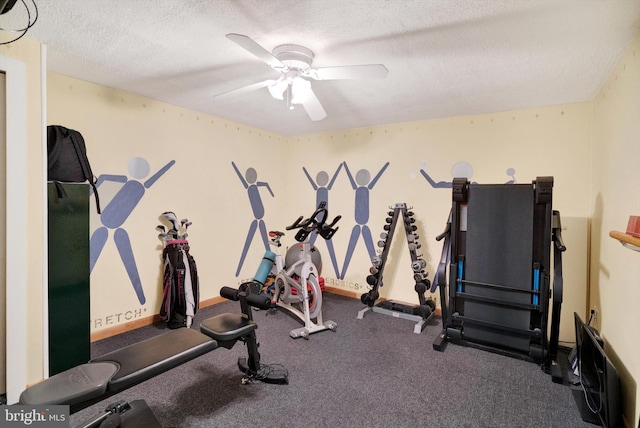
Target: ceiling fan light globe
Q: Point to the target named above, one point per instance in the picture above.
(300, 90)
(277, 89)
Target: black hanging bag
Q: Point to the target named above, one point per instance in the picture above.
(67, 159)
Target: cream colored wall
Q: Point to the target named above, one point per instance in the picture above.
(537, 142)
(202, 186)
(615, 271)
(28, 52)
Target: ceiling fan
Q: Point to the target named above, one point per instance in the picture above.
(294, 84)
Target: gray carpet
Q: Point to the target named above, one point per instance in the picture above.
(373, 372)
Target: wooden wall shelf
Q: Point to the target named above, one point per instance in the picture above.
(626, 240)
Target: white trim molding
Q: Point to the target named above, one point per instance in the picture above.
(45, 216)
(16, 234)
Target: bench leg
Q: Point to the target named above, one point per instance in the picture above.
(124, 415)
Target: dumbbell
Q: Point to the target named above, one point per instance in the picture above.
(420, 277)
(425, 311)
(421, 287)
(372, 279)
(418, 265)
(370, 298)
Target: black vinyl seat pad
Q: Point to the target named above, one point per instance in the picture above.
(76, 385)
(227, 327)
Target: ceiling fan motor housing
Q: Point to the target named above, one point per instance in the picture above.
(294, 57)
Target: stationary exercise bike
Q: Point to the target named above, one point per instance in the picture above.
(296, 287)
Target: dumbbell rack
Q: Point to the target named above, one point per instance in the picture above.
(420, 313)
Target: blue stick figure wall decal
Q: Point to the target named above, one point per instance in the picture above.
(322, 185)
(362, 186)
(249, 182)
(116, 213)
(459, 169)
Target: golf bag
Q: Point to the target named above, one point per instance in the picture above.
(180, 296)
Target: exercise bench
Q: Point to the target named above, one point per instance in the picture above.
(102, 377)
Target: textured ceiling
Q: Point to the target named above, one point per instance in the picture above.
(445, 57)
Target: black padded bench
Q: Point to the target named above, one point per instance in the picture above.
(102, 377)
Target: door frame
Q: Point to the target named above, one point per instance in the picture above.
(16, 232)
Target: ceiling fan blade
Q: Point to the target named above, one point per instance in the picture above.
(314, 109)
(368, 71)
(303, 94)
(251, 46)
(244, 89)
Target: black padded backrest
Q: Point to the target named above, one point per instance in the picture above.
(153, 356)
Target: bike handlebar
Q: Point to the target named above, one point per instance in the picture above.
(315, 223)
(295, 224)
